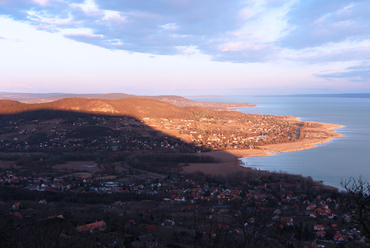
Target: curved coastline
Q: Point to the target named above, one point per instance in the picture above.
(230, 159)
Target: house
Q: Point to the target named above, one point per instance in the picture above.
(147, 241)
(197, 197)
(99, 225)
(287, 221)
(290, 222)
(313, 215)
(311, 207)
(324, 206)
(332, 216)
(321, 212)
(277, 211)
(17, 214)
(340, 237)
(152, 228)
(16, 206)
(168, 223)
(189, 208)
(220, 196)
(223, 226)
(178, 198)
(318, 227)
(321, 234)
(131, 222)
(236, 198)
(116, 204)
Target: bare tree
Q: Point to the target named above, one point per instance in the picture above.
(253, 227)
(358, 200)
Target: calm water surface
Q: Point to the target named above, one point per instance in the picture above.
(338, 159)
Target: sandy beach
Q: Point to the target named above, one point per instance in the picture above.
(230, 158)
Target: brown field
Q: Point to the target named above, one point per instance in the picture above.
(6, 164)
(89, 166)
(143, 206)
(81, 174)
(107, 178)
(126, 180)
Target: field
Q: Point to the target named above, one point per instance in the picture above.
(89, 166)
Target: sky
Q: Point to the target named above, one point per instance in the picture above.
(185, 47)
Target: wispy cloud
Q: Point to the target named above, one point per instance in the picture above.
(19, 87)
(358, 73)
(320, 22)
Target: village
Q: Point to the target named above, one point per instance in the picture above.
(193, 209)
(120, 180)
(98, 133)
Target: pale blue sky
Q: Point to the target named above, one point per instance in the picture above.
(185, 47)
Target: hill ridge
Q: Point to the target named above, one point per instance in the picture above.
(134, 107)
(173, 99)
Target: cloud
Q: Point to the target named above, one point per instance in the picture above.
(239, 53)
(25, 86)
(9, 86)
(156, 27)
(42, 2)
(358, 73)
(331, 52)
(320, 22)
(242, 31)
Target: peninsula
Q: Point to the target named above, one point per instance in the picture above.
(130, 162)
(143, 124)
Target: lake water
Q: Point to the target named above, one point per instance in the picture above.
(332, 162)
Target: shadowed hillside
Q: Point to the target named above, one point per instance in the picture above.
(38, 139)
(99, 127)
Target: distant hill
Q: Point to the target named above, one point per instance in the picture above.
(48, 97)
(175, 100)
(134, 107)
(343, 95)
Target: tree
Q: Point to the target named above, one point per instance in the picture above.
(251, 227)
(358, 198)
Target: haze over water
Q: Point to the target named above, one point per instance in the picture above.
(338, 159)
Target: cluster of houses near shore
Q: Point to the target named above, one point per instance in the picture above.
(124, 134)
(130, 134)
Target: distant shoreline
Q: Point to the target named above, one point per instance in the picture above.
(205, 96)
(230, 158)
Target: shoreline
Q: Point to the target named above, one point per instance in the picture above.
(268, 150)
(230, 159)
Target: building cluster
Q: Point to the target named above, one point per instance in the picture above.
(87, 134)
(287, 205)
(220, 133)
(94, 133)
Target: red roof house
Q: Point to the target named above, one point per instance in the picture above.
(99, 225)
